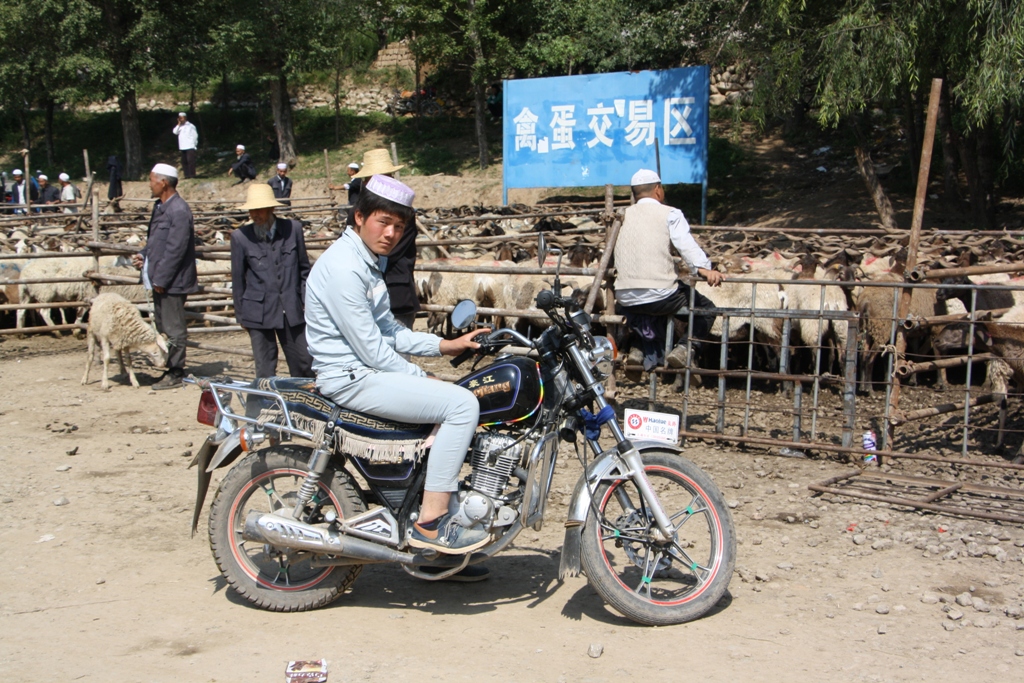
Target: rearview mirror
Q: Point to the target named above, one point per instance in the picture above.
(463, 315)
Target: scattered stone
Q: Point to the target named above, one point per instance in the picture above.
(784, 540)
(100, 582)
(899, 608)
(930, 598)
(872, 599)
(64, 468)
(756, 541)
(785, 565)
(877, 573)
(951, 555)
(61, 501)
(595, 650)
(762, 577)
(1013, 611)
(882, 629)
(980, 605)
(746, 575)
(986, 622)
(146, 496)
(131, 457)
(859, 539)
(886, 588)
(882, 544)
(187, 453)
(6, 499)
(830, 615)
(857, 606)
(1019, 652)
(733, 504)
(965, 600)
(955, 615)
(62, 427)
(72, 451)
(949, 625)
(882, 608)
(46, 538)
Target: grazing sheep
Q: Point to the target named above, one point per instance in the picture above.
(116, 324)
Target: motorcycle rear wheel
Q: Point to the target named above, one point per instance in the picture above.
(268, 480)
(648, 580)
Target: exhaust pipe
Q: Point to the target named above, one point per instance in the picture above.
(284, 532)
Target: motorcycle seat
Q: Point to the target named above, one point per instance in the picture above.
(302, 397)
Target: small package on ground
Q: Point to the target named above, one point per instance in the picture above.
(307, 671)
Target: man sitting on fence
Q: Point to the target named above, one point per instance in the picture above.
(647, 284)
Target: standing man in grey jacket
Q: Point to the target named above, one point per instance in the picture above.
(269, 267)
(188, 143)
(168, 264)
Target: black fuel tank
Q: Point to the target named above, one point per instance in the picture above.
(509, 390)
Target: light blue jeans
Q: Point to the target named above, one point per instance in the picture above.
(418, 400)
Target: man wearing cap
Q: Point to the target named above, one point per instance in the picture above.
(243, 167)
(281, 184)
(18, 191)
(48, 194)
(269, 267)
(646, 283)
(69, 194)
(168, 264)
(356, 345)
(188, 143)
(353, 185)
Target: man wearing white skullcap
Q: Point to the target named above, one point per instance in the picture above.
(357, 344)
(281, 183)
(69, 194)
(18, 190)
(188, 143)
(168, 264)
(646, 283)
(48, 194)
(243, 167)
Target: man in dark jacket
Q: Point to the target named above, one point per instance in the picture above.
(243, 167)
(399, 278)
(48, 195)
(168, 264)
(281, 183)
(269, 267)
(18, 189)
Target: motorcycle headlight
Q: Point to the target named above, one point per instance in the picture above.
(602, 354)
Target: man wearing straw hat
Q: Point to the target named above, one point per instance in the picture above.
(168, 264)
(269, 267)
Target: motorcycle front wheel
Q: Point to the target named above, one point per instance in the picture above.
(650, 579)
(275, 579)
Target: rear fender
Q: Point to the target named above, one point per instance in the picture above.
(212, 455)
(579, 505)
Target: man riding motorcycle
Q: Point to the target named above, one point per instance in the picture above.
(355, 342)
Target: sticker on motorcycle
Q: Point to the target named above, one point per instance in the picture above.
(643, 424)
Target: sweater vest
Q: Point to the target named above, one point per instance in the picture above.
(642, 251)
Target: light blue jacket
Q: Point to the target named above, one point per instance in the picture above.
(350, 330)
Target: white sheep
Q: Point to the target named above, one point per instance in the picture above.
(57, 292)
(117, 325)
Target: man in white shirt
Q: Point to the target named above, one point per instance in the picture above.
(647, 283)
(69, 194)
(188, 142)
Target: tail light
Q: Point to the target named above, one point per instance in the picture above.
(207, 412)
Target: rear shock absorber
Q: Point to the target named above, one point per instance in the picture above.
(317, 465)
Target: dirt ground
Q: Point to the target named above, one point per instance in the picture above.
(108, 585)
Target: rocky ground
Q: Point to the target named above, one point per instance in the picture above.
(103, 582)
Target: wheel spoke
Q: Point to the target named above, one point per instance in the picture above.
(684, 558)
(647, 575)
(276, 503)
(690, 512)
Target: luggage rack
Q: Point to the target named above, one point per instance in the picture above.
(243, 390)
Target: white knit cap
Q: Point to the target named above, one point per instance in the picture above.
(181, 113)
(165, 170)
(65, 177)
(17, 171)
(354, 166)
(282, 166)
(392, 189)
(644, 176)
(241, 147)
(43, 177)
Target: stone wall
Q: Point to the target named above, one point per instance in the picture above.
(732, 85)
(395, 56)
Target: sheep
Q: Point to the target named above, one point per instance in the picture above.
(57, 292)
(116, 324)
(808, 298)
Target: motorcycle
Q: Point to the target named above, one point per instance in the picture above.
(291, 526)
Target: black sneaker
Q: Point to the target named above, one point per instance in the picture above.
(448, 537)
(471, 574)
(170, 380)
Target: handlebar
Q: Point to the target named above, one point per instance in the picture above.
(492, 341)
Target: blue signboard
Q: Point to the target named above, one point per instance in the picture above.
(575, 131)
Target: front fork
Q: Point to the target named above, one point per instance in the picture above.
(626, 452)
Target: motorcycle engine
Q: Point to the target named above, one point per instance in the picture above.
(493, 459)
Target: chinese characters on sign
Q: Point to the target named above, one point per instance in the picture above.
(599, 129)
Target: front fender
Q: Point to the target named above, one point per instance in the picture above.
(579, 505)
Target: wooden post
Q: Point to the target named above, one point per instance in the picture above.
(28, 184)
(81, 213)
(95, 197)
(394, 159)
(88, 172)
(913, 245)
(327, 170)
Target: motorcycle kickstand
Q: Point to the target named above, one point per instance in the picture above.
(412, 571)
